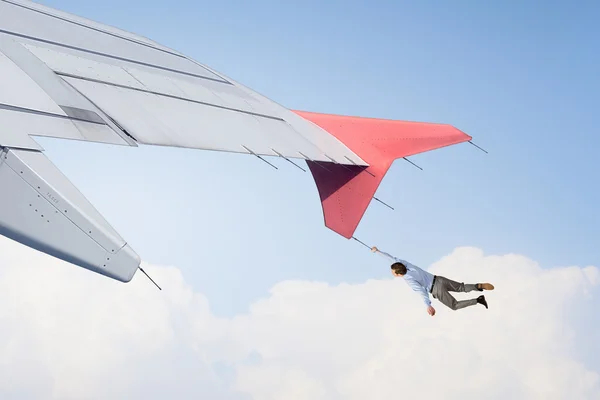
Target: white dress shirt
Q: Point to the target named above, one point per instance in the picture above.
(419, 280)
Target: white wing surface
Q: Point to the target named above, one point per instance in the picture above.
(136, 89)
(67, 77)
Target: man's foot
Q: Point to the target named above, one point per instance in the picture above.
(485, 286)
(481, 300)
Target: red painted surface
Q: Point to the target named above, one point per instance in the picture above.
(346, 191)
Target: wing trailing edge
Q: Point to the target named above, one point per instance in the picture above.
(46, 212)
(346, 191)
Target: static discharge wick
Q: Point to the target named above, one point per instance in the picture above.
(141, 269)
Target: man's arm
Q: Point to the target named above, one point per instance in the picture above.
(383, 253)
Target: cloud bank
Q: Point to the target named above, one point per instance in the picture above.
(68, 334)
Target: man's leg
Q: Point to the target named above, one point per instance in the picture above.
(443, 286)
(453, 286)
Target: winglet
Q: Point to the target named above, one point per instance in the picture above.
(347, 190)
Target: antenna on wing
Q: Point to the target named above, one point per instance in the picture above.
(142, 269)
(478, 147)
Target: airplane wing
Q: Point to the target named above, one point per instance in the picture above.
(64, 76)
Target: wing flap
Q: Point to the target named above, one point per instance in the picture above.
(45, 211)
(131, 76)
(15, 123)
(172, 109)
(165, 121)
(18, 140)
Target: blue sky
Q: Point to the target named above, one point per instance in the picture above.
(519, 77)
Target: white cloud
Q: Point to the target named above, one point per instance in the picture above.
(68, 334)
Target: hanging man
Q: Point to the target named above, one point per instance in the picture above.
(424, 282)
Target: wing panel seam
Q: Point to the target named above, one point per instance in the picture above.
(94, 29)
(9, 107)
(67, 46)
(67, 75)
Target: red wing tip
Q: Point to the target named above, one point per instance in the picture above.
(346, 196)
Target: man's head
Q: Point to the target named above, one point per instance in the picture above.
(398, 269)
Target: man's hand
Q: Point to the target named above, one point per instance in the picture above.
(431, 311)
(374, 249)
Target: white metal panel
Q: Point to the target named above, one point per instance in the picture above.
(49, 214)
(199, 90)
(180, 86)
(160, 120)
(323, 140)
(312, 142)
(20, 21)
(71, 64)
(18, 140)
(17, 89)
(150, 81)
(96, 133)
(87, 22)
(17, 123)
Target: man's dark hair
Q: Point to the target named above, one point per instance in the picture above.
(399, 268)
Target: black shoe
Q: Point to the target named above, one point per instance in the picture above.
(481, 300)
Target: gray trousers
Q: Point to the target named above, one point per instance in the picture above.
(441, 288)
